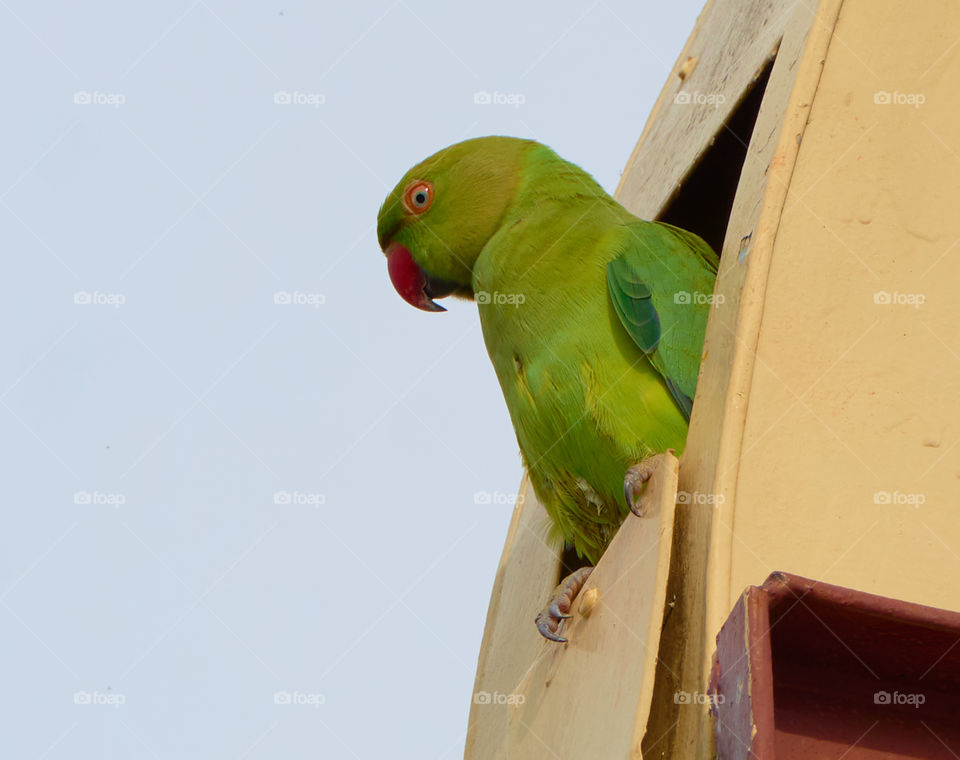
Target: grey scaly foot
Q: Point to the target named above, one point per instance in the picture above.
(636, 477)
(560, 602)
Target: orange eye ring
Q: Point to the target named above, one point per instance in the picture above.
(418, 196)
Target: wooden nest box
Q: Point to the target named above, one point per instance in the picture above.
(817, 145)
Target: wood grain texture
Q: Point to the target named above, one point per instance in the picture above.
(527, 573)
(582, 699)
(800, 36)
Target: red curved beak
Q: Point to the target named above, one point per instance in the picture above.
(411, 282)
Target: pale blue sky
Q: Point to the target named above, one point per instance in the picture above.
(154, 199)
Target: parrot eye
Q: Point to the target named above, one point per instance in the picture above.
(418, 196)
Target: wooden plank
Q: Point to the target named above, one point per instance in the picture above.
(730, 43)
(528, 571)
(730, 350)
(700, 577)
(582, 699)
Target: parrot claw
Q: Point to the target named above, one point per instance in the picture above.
(543, 625)
(561, 601)
(636, 477)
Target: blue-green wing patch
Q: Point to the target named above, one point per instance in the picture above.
(656, 285)
(683, 400)
(633, 302)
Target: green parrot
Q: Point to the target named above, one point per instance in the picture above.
(593, 318)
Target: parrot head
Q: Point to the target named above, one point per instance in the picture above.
(438, 218)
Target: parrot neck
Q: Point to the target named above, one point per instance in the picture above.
(549, 178)
(559, 214)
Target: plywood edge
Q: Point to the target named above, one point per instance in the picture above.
(509, 638)
(665, 92)
(728, 57)
(667, 506)
(799, 35)
(583, 698)
(778, 173)
(744, 276)
(496, 593)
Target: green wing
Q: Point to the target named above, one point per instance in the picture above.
(660, 285)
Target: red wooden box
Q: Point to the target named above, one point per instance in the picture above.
(805, 669)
